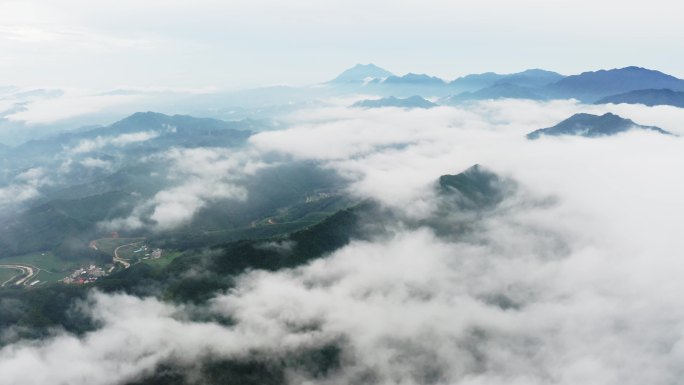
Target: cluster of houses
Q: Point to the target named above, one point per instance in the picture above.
(92, 273)
(154, 254)
(84, 275)
(318, 196)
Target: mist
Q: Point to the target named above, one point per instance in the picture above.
(574, 278)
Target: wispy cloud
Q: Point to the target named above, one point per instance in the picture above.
(90, 145)
(199, 176)
(74, 103)
(23, 187)
(585, 287)
(68, 37)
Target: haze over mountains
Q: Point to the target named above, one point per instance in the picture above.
(649, 97)
(531, 84)
(410, 102)
(27, 114)
(377, 228)
(118, 168)
(214, 193)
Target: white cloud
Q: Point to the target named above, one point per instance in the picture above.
(95, 163)
(73, 103)
(136, 335)
(393, 155)
(585, 288)
(199, 176)
(23, 187)
(176, 206)
(90, 145)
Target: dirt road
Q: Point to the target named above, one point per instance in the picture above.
(28, 272)
(120, 260)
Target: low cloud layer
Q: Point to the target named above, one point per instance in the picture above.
(199, 176)
(585, 288)
(73, 104)
(23, 187)
(90, 145)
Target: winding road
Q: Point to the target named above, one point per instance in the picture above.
(26, 270)
(120, 260)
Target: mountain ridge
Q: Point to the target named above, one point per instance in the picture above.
(594, 85)
(649, 97)
(391, 101)
(591, 126)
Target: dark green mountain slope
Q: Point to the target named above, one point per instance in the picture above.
(215, 268)
(62, 226)
(476, 187)
(279, 200)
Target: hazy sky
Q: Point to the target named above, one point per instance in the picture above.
(236, 43)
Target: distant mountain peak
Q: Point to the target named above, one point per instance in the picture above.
(361, 72)
(589, 125)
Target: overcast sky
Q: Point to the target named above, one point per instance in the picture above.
(238, 43)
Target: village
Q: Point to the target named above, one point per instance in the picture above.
(92, 272)
(84, 275)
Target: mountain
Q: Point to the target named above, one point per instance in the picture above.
(414, 79)
(219, 268)
(408, 85)
(410, 102)
(591, 126)
(360, 73)
(196, 275)
(474, 82)
(370, 78)
(63, 227)
(529, 78)
(154, 120)
(159, 131)
(477, 187)
(88, 157)
(279, 199)
(651, 97)
(592, 86)
(497, 91)
(175, 126)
